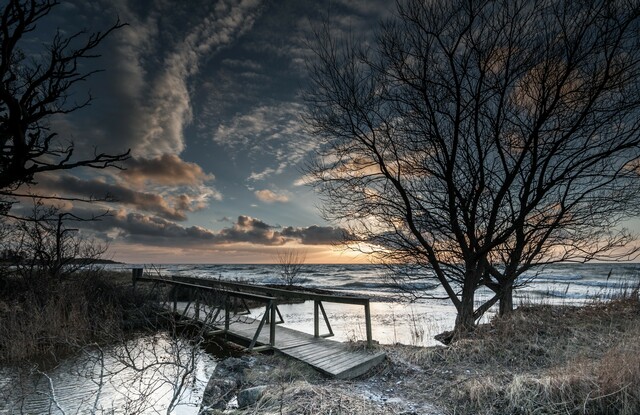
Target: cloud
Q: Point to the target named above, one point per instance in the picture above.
(267, 172)
(273, 132)
(316, 235)
(153, 230)
(166, 169)
(267, 196)
(135, 227)
(250, 230)
(243, 64)
(170, 105)
(305, 180)
(99, 189)
(144, 101)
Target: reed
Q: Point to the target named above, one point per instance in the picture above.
(48, 319)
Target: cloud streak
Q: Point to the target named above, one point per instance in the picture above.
(172, 208)
(267, 196)
(273, 130)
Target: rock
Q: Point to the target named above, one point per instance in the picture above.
(233, 367)
(227, 377)
(445, 337)
(250, 396)
(218, 392)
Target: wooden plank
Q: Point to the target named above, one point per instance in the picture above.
(342, 355)
(317, 347)
(322, 364)
(338, 364)
(300, 350)
(314, 347)
(314, 354)
(339, 355)
(329, 357)
(360, 369)
(293, 343)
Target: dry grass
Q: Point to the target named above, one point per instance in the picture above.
(48, 319)
(304, 398)
(543, 360)
(295, 388)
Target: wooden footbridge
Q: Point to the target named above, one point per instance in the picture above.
(223, 307)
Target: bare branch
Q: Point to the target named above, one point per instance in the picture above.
(475, 141)
(31, 91)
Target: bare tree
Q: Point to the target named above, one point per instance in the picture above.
(32, 90)
(475, 140)
(290, 263)
(49, 247)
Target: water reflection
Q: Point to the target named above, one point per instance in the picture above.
(157, 374)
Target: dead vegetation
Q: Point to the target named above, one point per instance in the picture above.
(542, 359)
(49, 318)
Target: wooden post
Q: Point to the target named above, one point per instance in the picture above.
(316, 321)
(135, 274)
(175, 299)
(197, 304)
(227, 306)
(326, 321)
(367, 318)
(272, 323)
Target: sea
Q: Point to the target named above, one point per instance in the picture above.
(398, 317)
(159, 373)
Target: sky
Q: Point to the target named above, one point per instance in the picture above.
(208, 97)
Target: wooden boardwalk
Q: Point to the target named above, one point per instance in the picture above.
(210, 303)
(335, 359)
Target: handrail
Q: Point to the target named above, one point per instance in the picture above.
(268, 317)
(239, 294)
(280, 292)
(274, 294)
(302, 295)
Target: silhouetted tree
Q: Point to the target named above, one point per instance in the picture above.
(475, 140)
(52, 247)
(32, 89)
(290, 264)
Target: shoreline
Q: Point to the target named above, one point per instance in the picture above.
(542, 359)
(585, 356)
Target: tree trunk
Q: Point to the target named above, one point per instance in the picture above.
(465, 322)
(506, 301)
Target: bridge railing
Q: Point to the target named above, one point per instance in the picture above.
(282, 294)
(210, 301)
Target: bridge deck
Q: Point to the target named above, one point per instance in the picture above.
(335, 359)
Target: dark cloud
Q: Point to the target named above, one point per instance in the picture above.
(144, 100)
(137, 227)
(148, 202)
(250, 230)
(167, 169)
(316, 235)
(153, 230)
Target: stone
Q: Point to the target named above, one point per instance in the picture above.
(227, 377)
(250, 396)
(218, 392)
